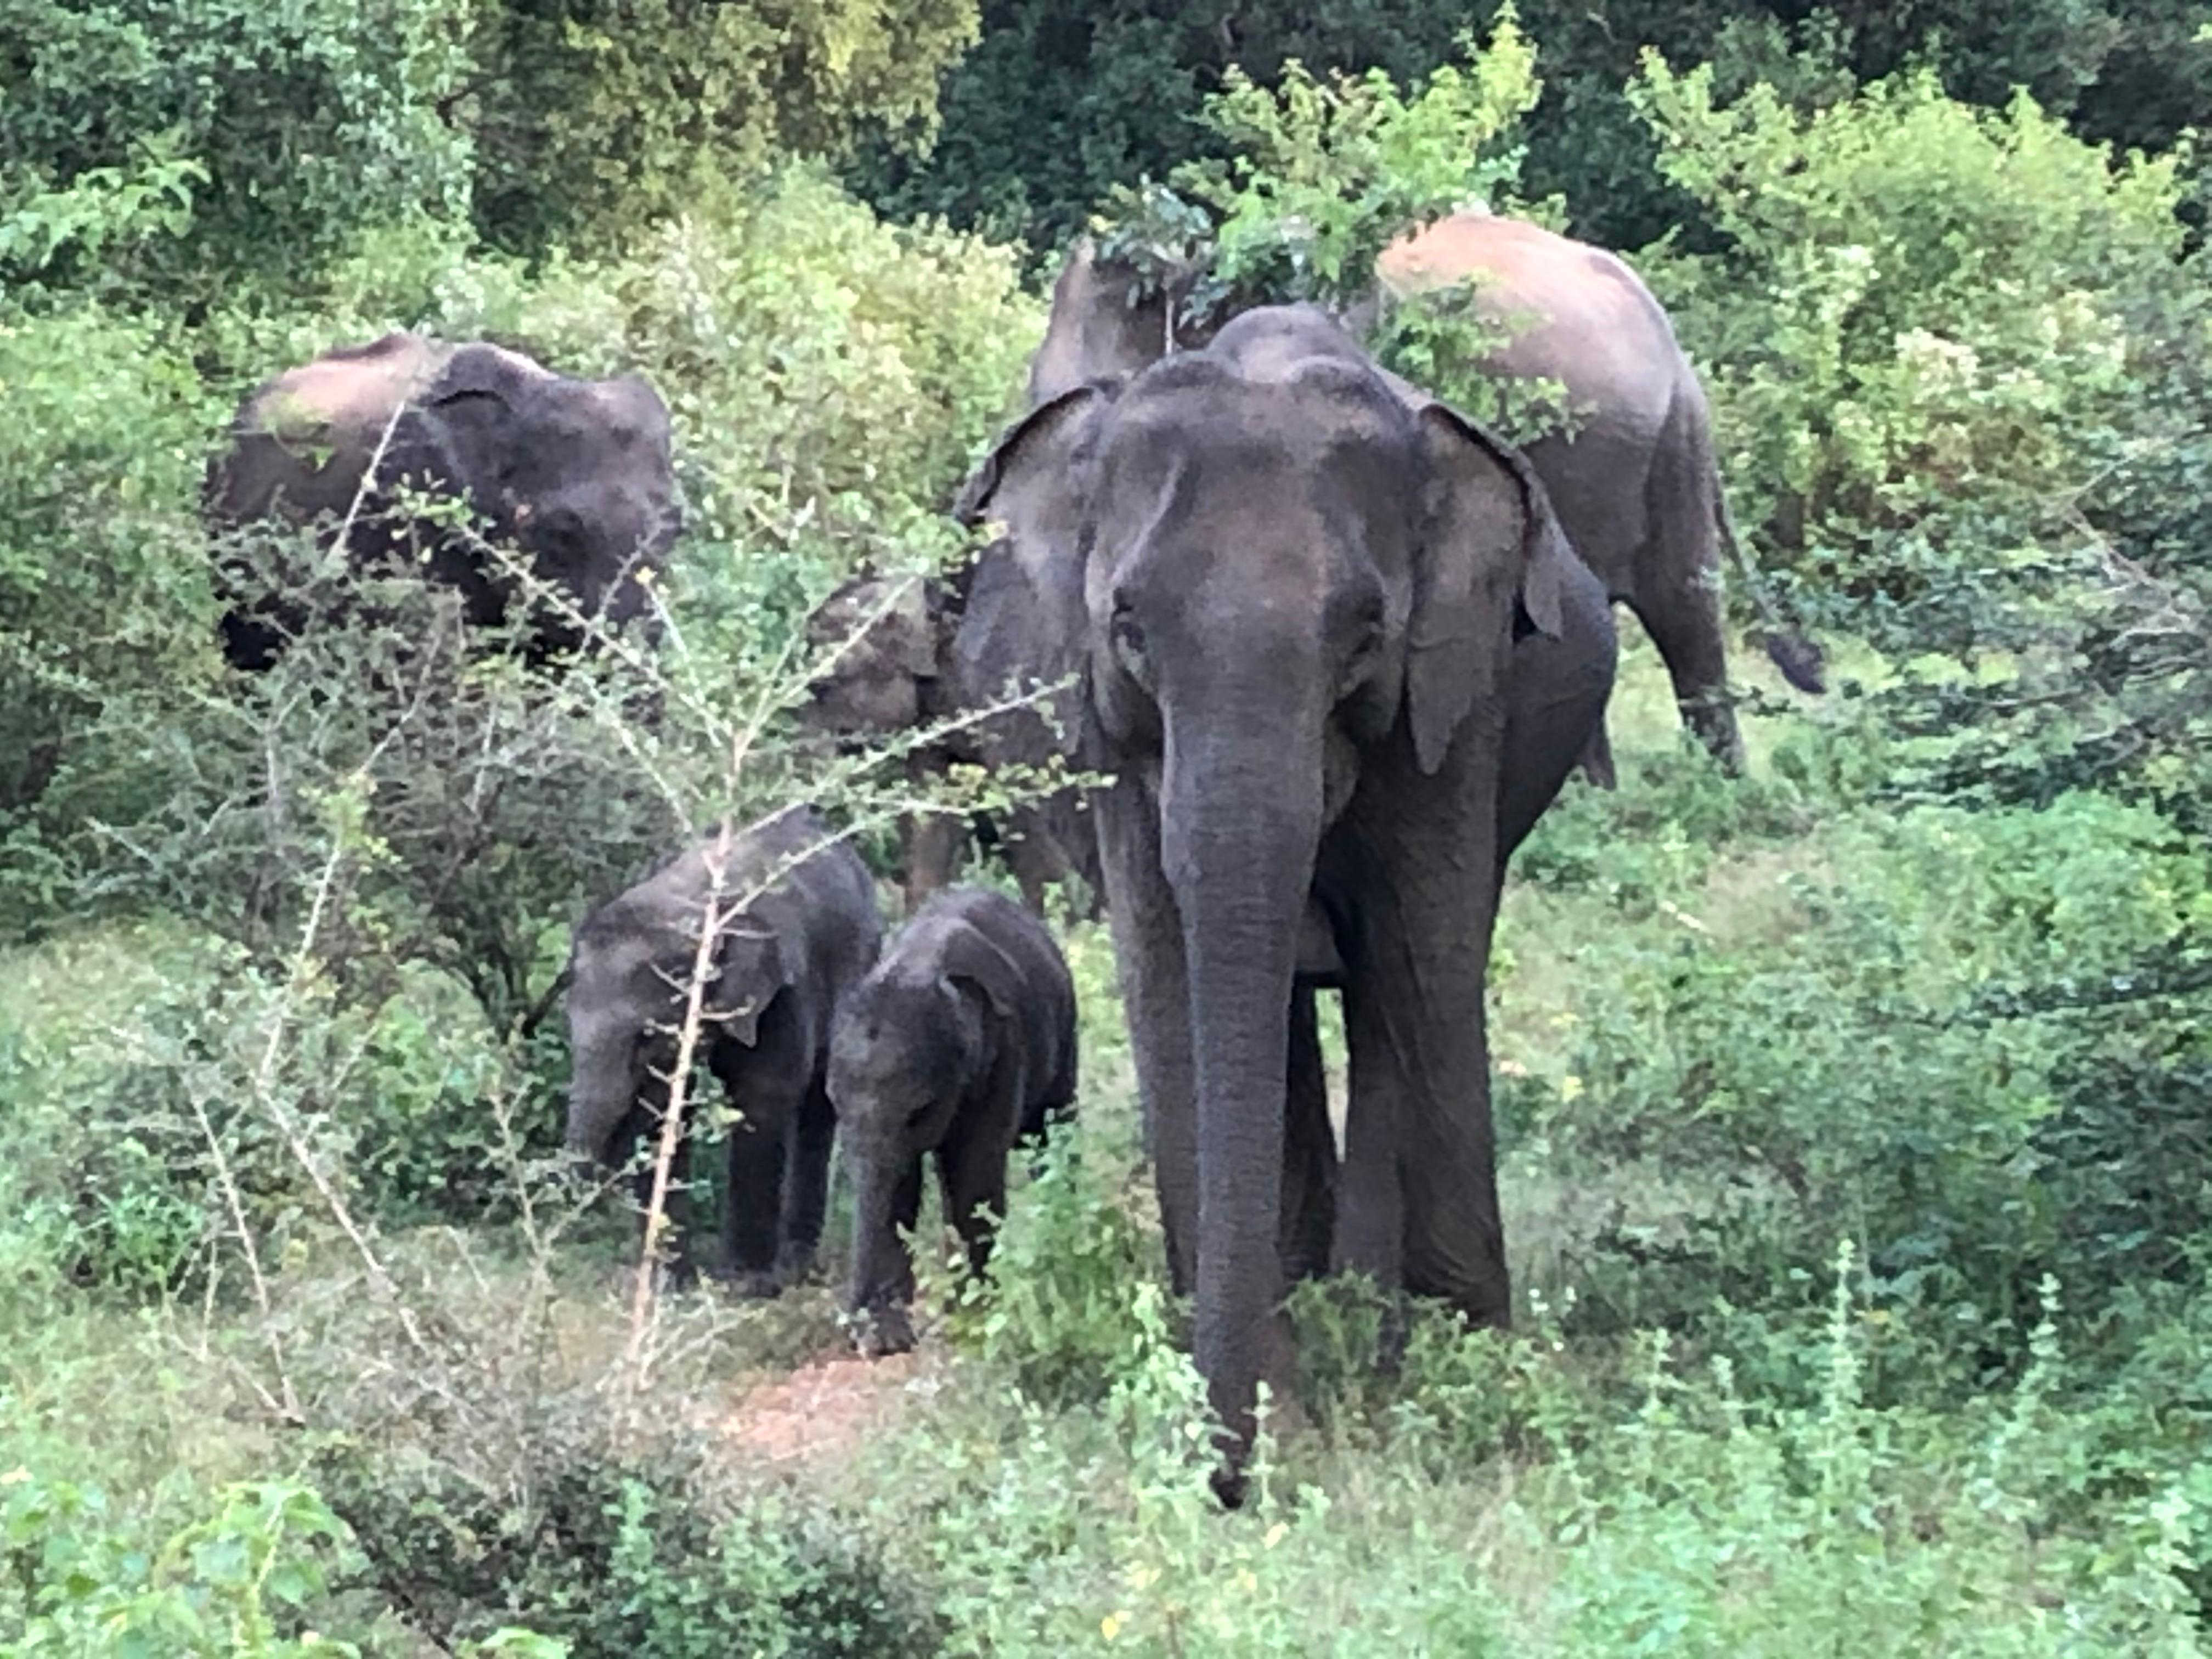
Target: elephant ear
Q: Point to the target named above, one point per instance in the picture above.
(1035, 450)
(973, 958)
(476, 402)
(1492, 546)
(751, 971)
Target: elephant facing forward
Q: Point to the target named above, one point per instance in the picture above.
(1635, 483)
(1338, 657)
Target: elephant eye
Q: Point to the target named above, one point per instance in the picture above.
(1128, 643)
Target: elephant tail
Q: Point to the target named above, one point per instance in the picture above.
(1800, 660)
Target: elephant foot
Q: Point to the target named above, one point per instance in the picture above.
(1230, 1484)
(674, 1278)
(881, 1332)
(751, 1284)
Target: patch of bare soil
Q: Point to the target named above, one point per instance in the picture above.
(821, 1413)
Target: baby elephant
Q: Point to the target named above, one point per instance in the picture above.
(806, 931)
(961, 1041)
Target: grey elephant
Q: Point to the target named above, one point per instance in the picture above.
(905, 653)
(959, 1044)
(1338, 658)
(801, 929)
(576, 475)
(1635, 483)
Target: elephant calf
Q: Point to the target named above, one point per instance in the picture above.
(961, 1041)
(799, 928)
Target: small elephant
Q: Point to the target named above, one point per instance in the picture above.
(802, 929)
(576, 474)
(903, 653)
(960, 1042)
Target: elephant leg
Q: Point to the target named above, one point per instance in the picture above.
(1148, 955)
(1309, 1224)
(1036, 859)
(806, 1182)
(760, 1147)
(1682, 614)
(1418, 1196)
(972, 1176)
(934, 843)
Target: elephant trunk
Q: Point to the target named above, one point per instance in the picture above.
(602, 1090)
(1242, 823)
(886, 1181)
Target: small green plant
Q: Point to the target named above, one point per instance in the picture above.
(240, 1583)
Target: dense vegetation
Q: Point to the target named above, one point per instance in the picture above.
(1860, 1166)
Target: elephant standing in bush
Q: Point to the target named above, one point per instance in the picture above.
(802, 929)
(960, 1043)
(1338, 657)
(1635, 484)
(575, 474)
(911, 654)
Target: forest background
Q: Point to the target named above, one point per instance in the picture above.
(1856, 1112)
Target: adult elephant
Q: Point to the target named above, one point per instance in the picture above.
(904, 654)
(1338, 657)
(1635, 482)
(575, 474)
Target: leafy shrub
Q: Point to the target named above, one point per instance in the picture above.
(1053, 1312)
(103, 595)
(1925, 334)
(1861, 1071)
(269, 133)
(241, 1582)
(615, 1558)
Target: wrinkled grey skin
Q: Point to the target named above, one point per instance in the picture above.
(1338, 658)
(960, 1042)
(912, 653)
(1636, 487)
(808, 933)
(575, 474)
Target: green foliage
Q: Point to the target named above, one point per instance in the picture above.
(595, 121)
(1053, 1312)
(239, 1584)
(1852, 1062)
(1060, 102)
(1926, 333)
(1322, 176)
(102, 582)
(186, 146)
(613, 1558)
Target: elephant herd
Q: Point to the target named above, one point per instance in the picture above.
(1334, 649)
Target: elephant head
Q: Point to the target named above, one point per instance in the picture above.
(630, 976)
(1290, 575)
(576, 475)
(882, 642)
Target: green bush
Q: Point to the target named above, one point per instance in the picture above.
(614, 1558)
(105, 613)
(1927, 334)
(1861, 1067)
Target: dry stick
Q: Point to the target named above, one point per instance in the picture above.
(289, 1409)
(671, 1121)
